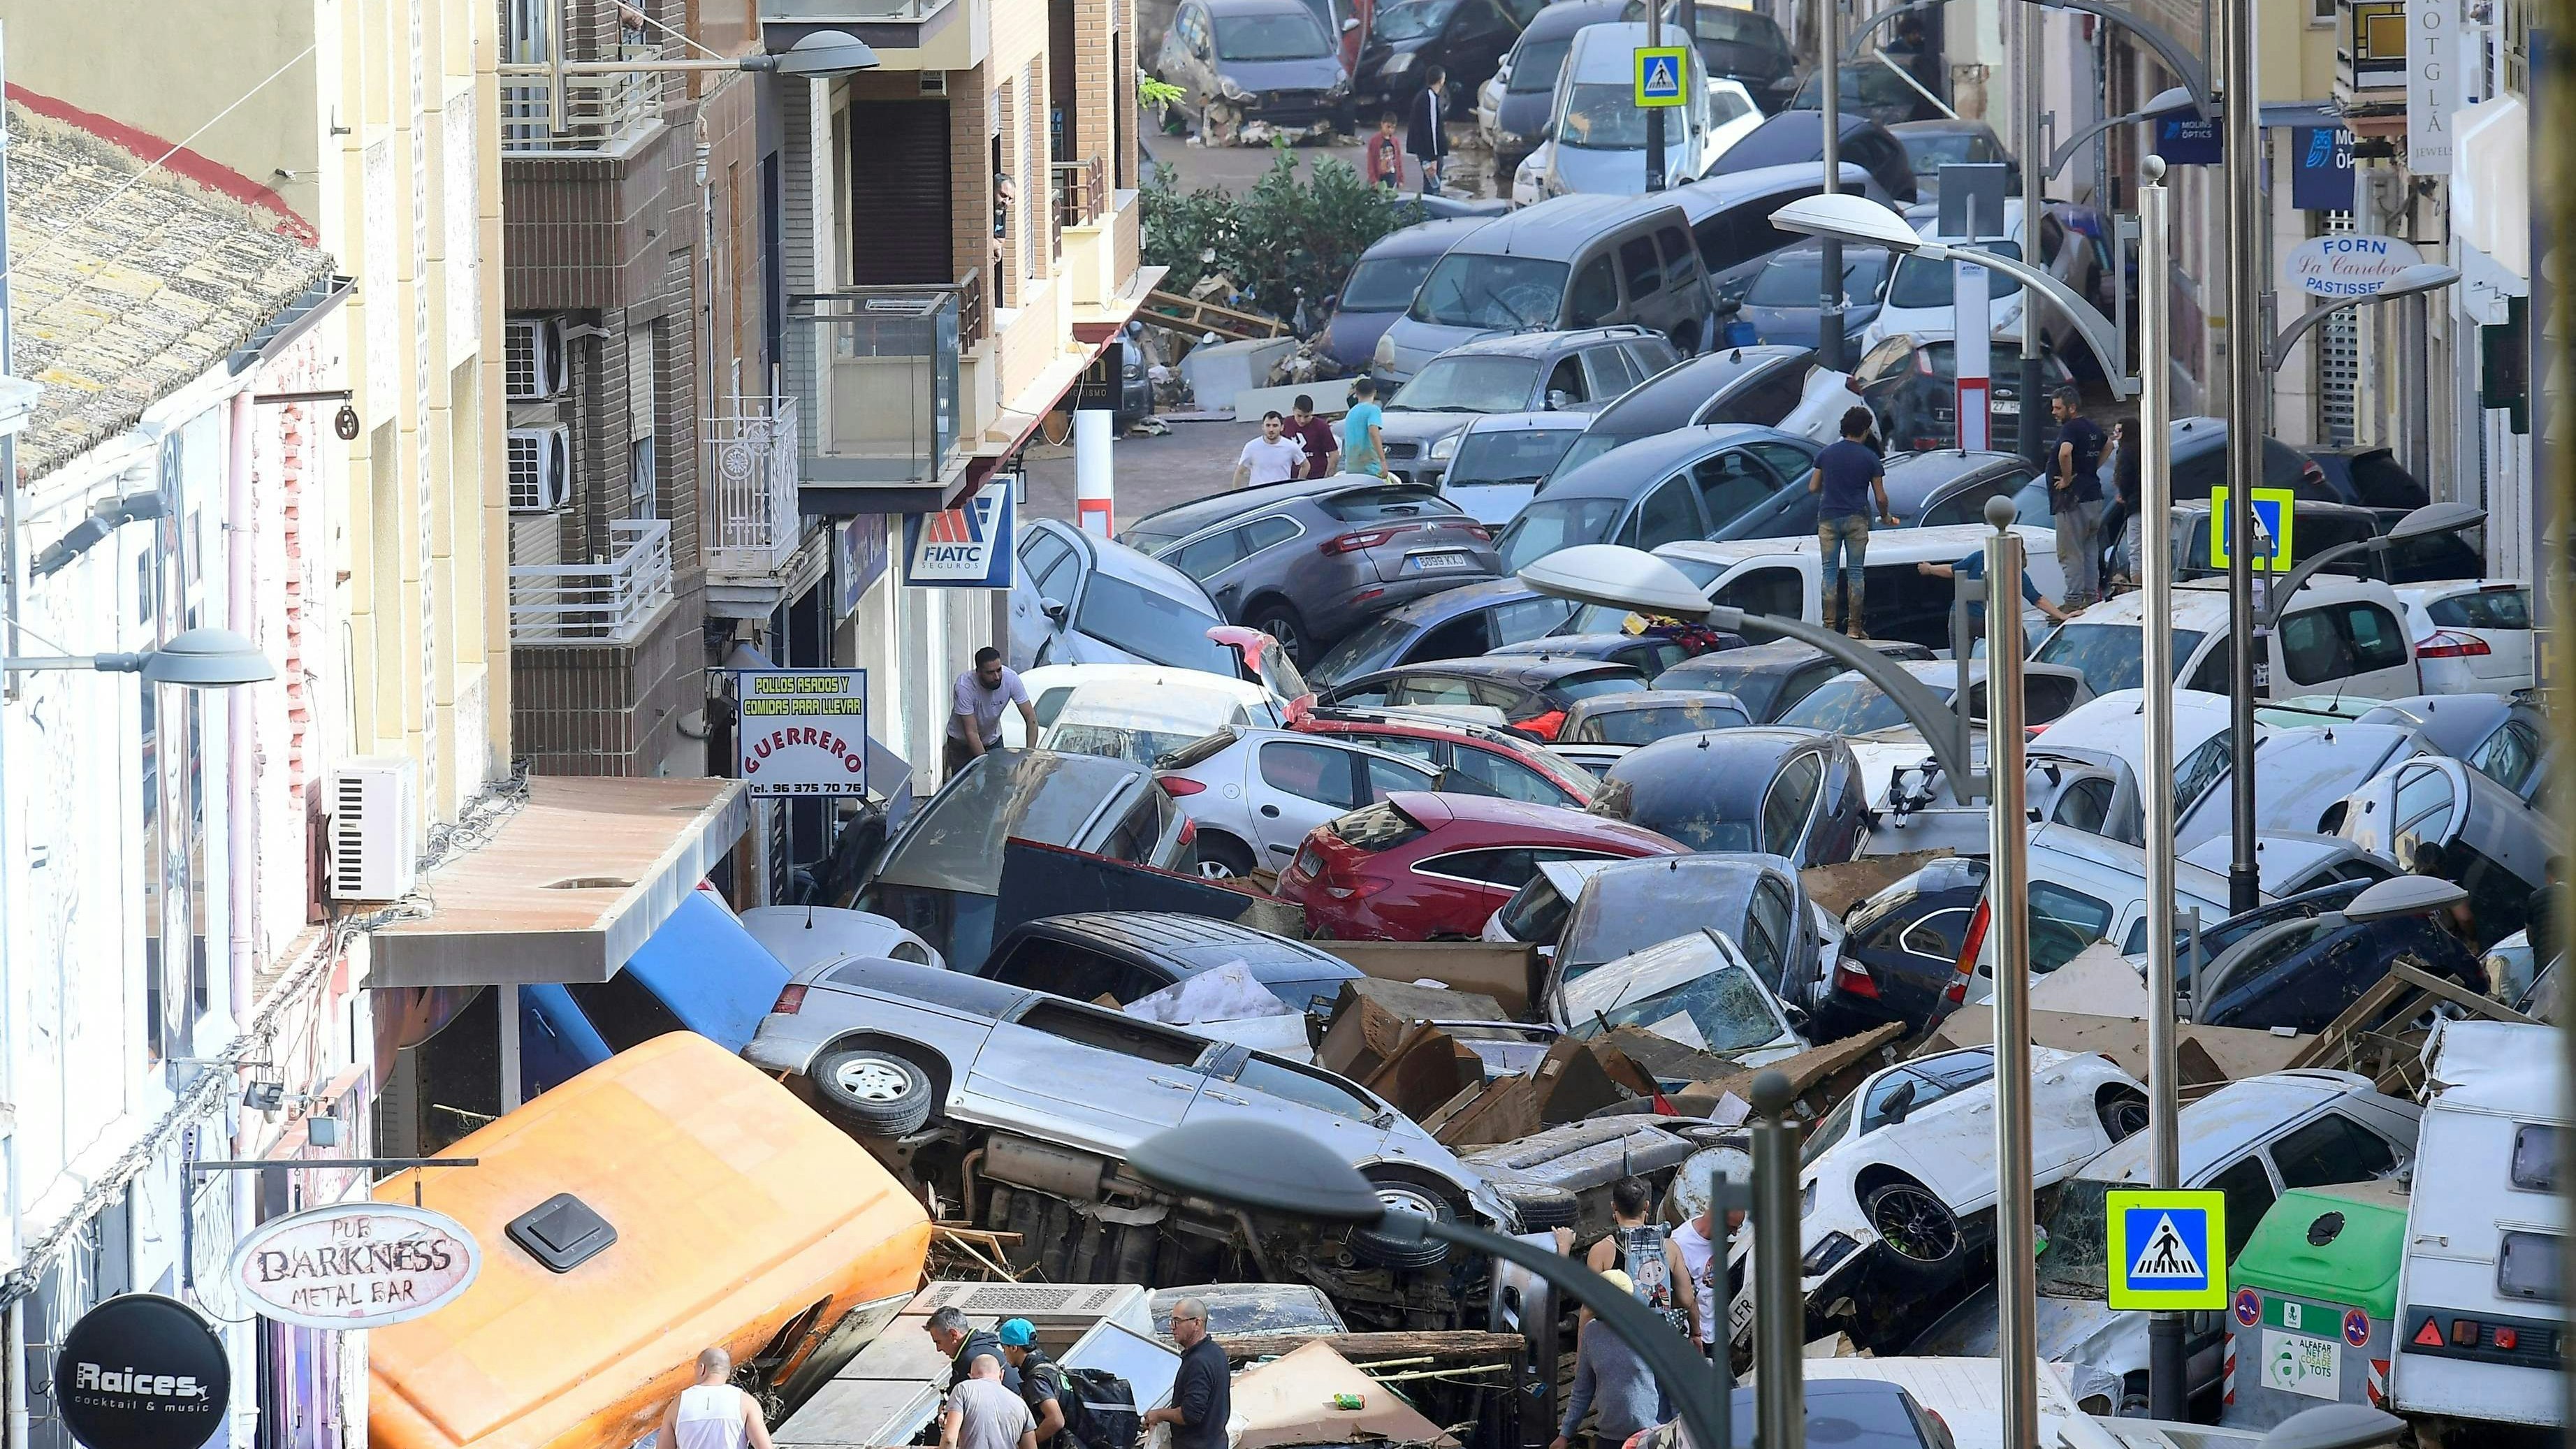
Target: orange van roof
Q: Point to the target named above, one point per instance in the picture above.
(736, 1207)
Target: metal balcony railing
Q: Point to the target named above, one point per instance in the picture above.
(876, 369)
(752, 466)
(805, 12)
(608, 602)
(1081, 192)
(597, 112)
(2370, 46)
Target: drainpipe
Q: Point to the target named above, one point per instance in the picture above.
(240, 849)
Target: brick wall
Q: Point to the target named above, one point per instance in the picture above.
(599, 709)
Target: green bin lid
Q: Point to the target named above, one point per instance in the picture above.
(2340, 1244)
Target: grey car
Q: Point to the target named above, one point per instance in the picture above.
(1719, 481)
(1502, 458)
(1519, 372)
(1754, 900)
(1308, 561)
(1055, 1093)
(1796, 793)
(1076, 599)
(1757, 385)
(1382, 283)
(1265, 60)
(1945, 486)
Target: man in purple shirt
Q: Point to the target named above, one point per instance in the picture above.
(975, 723)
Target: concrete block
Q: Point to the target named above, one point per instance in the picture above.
(1218, 371)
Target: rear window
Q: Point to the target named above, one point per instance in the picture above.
(1645, 726)
(2485, 609)
(1591, 686)
(1517, 455)
(1371, 505)
(1376, 828)
(1198, 751)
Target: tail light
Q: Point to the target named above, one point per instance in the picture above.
(1544, 726)
(1481, 533)
(791, 1000)
(1365, 538)
(2446, 645)
(1975, 942)
(1177, 786)
(2313, 476)
(1853, 979)
(1358, 890)
(1189, 830)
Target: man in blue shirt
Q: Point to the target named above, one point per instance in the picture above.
(2075, 496)
(1974, 567)
(1848, 473)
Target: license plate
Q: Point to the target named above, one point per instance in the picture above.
(1309, 861)
(2294, 1363)
(1429, 562)
(2002, 409)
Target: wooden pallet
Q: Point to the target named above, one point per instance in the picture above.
(1197, 318)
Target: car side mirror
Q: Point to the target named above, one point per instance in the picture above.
(1796, 1017)
(1054, 609)
(1351, 24)
(1332, 301)
(1899, 1102)
(1558, 399)
(1729, 306)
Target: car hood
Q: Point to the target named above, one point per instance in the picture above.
(2071, 1330)
(1799, 326)
(1426, 428)
(1524, 113)
(1310, 73)
(1416, 343)
(1613, 173)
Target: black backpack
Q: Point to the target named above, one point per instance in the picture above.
(1100, 1408)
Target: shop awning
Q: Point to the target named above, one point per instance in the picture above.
(568, 888)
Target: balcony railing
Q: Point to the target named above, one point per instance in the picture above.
(608, 602)
(1081, 192)
(752, 464)
(877, 367)
(597, 112)
(882, 12)
(2370, 47)
(974, 321)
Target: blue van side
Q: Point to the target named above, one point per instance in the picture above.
(701, 971)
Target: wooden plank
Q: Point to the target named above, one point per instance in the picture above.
(2368, 1006)
(2458, 995)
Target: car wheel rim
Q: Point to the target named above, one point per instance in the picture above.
(873, 1081)
(1215, 870)
(1399, 1199)
(1285, 632)
(1914, 1224)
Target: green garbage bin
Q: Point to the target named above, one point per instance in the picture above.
(2311, 1302)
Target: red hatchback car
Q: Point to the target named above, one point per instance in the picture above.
(1424, 867)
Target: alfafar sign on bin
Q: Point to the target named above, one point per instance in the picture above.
(802, 731)
(355, 1265)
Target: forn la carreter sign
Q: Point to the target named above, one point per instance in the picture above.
(355, 1265)
(802, 731)
(2348, 265)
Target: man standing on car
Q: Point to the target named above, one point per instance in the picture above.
(1202, 1392)
(982, 693)
(1426, 136)
(1315, 435)
(2075, 497)
(1042, 1383)
(1848, 473)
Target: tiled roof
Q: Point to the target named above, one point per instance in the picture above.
(117, 310)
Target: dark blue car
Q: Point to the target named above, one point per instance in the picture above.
(1784, 304)
(1458, 623)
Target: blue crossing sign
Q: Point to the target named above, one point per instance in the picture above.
(1660, 69)
(2275, 516)
(2167, 1249)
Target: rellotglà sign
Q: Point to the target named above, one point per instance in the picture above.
(355, 1265)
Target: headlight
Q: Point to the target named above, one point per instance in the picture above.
(1822, 1258)
(1338, 89)
(1226, 87)
(1445, 449)
(1383, 358)
(1513, 140)
(1399, 63)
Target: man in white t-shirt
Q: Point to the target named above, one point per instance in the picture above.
(1703, 1251)
(1271, 458)
(975, 718)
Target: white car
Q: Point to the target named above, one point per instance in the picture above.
(1052, 686)
(2302, 776)
(2472, 636)
(806, 936)
(1253, 794)
(1698, 990)
(1922, 297)
(2336, 636)
(1897, 1187)
(1141, 720)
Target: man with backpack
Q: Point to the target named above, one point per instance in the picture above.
(1042, 1384)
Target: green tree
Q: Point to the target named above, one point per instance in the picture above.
(1290, 236)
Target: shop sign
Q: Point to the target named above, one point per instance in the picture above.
(802, 731)
(966, 547)
(2321, 168)
(859, 558)
(2432, 95)
(355, 1265)
(2348, 265)
(141, 1371)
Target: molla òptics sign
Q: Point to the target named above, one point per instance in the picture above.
(355, 1265)
(141, 1371)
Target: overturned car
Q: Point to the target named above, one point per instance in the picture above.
(1016, 1109)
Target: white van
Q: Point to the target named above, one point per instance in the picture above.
(2338, 636)
(1781, 576)
(2478, 1313)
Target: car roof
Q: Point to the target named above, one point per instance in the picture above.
(1539, 344)
(1939, 544)
(1649, 699)
(1194, 943)
(1631, 467)
(955, 990)
(1425, 238)
(2221, 1126)
(1609, 48)
(1782, 135)
(1194, 514)
(1554, 420)
(1790, 654)
(1944, 126)
(1450, 603)
(1669, 398)
(1933, 467)
(1564, 646)
(1564, 17)
(1693, 755)
(1512, 668)
(2197, 601)
(1135, 566)
(1557, 227)
(1520, 817)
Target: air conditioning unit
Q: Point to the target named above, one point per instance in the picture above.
(375, 828)
(533, 352)
(540, 468)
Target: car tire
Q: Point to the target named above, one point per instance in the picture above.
(878, 1092)
(1916, 1228)
(1381, 1251)
(1279, 620)
(2123, 1113)
(1222, 857)
(1541, 1207)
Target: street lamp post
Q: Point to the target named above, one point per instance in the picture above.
(2241, 133)
(2007, 885)
(1829, 83)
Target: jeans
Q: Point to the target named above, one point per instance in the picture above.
(2079, 550)
(1843, 537)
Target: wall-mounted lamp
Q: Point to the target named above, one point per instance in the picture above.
(196, 659)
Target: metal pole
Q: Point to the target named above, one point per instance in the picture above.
(1655, 114)
(1829, 315)
(1780, 1311)
(2034, 407)
(2007, 885)
(9, 547)
(2167, 1393)
(2242, 135)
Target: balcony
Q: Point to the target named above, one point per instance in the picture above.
(598, 113)
(875, 375)
(613, 601)
(2370, 54)
(752, 479)
(899, 24)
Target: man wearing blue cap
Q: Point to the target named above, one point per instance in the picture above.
(1042, 1383)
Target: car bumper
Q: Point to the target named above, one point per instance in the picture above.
(1297, 108)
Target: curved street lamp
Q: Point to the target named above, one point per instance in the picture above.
(2406, 282)
(195, 659)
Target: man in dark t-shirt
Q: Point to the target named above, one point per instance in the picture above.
(2075, 497)
(1203, 1389)
(1316, 436)
(1848, 473)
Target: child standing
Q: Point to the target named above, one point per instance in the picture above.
(1383, 155)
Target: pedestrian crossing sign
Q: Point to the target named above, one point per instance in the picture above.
(1660, 69)
(2275, 515)
(2167, 1249)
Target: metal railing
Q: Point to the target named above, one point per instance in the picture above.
(876, 374)
(608, 602)
(752, 465)
(597, 111)
(1081, 192)
(974, 319)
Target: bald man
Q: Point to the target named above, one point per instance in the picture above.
(711, 1413)
(985, 1413)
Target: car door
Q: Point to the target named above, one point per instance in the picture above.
(1049, 571)
(1734, 489)
(1297, 785)
(1792, 510)
(2355, 647)
(1608, 371)
(1085, 1075)
(1789, 806)
(1668, 513)
(1248, 1087)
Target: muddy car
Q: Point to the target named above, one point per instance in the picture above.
(1018, 1108)
(1898, 1185)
